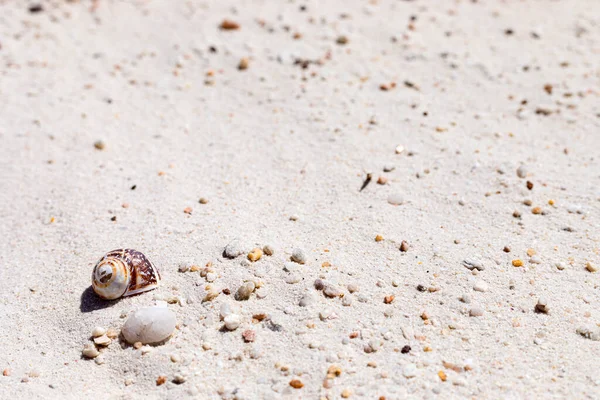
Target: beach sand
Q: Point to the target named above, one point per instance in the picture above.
(117, 117)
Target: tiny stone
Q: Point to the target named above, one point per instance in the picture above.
(293, 278)
(184, 267)
(232, 322)
(175, 358)
(268, 250)
(476, 312)
(404, 246)
(506, 249)
(249, 335)
(102, 340)
(561, 265)
(161, 380)
(332, 291)
(89, 351)
(319, 284)
(535, 259)
(98, 331)
(405, 349)
(473, 264)
(481, 286)
(255, 254)
(233, 249)
(298, 256)
(395, 199)
(99, 145)
(542, 305)
(341, 40)
(352, 288)
(522, 171)
(178, 379)
(203, 200)
(388, 168)
(591, 267)
(421, 288)
(589, 333)
(528, 202)
(517, 214)
(243, 64)
(465, 298)
(99, 360)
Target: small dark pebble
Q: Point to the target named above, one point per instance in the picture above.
(529, 185)
(404, 246)
(405, 349)
(517, 214)
(133, 187)
(506, 249)
(319, 284)
(114, 218)
(421, 288)
(36, 8)
(226, 291)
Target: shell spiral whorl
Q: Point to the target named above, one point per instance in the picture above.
(124, 272)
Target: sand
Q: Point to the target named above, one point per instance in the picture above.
(280, 151)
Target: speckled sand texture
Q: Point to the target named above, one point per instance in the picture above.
(466, 267)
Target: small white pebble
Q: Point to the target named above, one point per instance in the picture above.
(476, 312)
(232, 322)
(299, 256)
(560, 265)
(89, 351)
(535, 259)
(522, 171)
(481, 286)
(98, 331)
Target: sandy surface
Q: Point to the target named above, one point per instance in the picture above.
(475, 91)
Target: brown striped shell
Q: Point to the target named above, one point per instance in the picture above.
(124, 272)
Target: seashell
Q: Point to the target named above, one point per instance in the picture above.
(124, 272)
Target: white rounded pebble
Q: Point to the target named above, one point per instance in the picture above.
(98, 331)
(211, 277)
(332, 291)
(233, 249)
(395, 199)
(99, 360)
(535, 259)
(347, 301)
(89, 351)
(542, 305)
(102, 340)
(293, 278)
(476, 312)
(225, 310)
(481, 286)
(149, 325)
(232, 322)
(522, 171)
(299, 256)
(352, 288)
(561, 265)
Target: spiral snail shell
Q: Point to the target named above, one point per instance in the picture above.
(124, 272)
